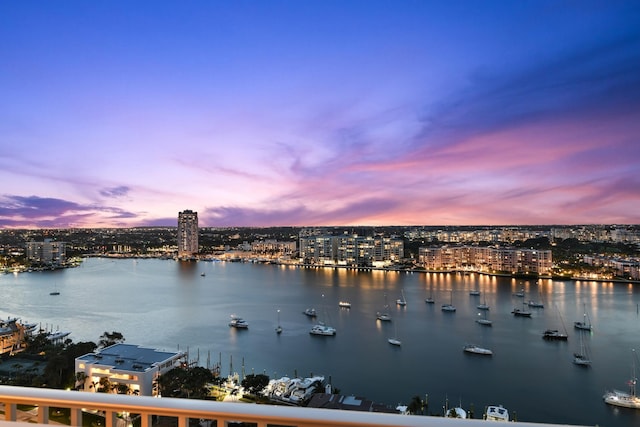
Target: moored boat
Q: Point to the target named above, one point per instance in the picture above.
(238, 322)
(581, 358)
(520, 313)
(483, 305)
(472, 348)
(585, 325)
(385, 317)
(484, 321)
(401, 301)
(278, 327)
(395, 341)
(323, 330)
(311, 312)
(554, 334)
(620, 398)
(344, 304)
(449, 307)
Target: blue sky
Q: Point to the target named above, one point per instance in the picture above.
(262, 113)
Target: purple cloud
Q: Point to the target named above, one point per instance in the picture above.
(119, 191)
(48, 212)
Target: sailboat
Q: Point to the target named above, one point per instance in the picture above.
(278, 328)
(484, 305)
(518, 312)
(384, 315)
(449, 307)
(586, 323)
(394, 340)
(582, 357)
(536, 304)
(521, 313)
(484, 321)
(555, 334)
(401, 301)
(620, 398)
(321, 328)
(429, 299)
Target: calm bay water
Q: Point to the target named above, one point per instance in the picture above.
(168, 305)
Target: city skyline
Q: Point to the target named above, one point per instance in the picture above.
(284, 113)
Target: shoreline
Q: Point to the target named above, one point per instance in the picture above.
(257, 260)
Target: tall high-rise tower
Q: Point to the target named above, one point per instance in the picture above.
(187, 234)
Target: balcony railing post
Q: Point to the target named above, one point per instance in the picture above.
(10, 411)
(43, 414)
(183, 421)
(109, 419)
(146, 420)
(76, 417)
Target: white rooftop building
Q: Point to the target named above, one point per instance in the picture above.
(125, 366)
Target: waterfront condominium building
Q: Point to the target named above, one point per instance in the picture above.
(487, 259)
(351, 250)
(187, 234)
(46, 252)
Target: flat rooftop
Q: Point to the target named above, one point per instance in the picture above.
(128, 357)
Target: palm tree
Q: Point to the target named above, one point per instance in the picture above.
(416, 406)
(81, 377)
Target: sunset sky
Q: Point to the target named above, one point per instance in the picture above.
(319, 112)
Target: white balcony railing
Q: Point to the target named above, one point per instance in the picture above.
(223, 413)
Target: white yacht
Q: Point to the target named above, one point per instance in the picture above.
(620, 398)
(238, 322)
(395, 341)
(472, 348)
(324, 330)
